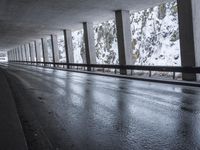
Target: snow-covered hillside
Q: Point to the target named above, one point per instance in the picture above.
(155, 38)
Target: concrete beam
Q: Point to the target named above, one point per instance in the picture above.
(45, 50)
(185, 16)
(55, 51)
(124, 38)
(89, 43)
(68, 46)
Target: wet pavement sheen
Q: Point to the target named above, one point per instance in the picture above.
(90, 112)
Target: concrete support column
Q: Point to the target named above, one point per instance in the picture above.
(27, 50)
(32, 51)
(13, 55)
(187, 41)
(68, 46)
(20, 53)
(55, 51)
(12, 58)
(24, 53)
(8, 55)
(196, 25)
(124, 38)
(89, 43)
(11, 52)
(15, 52)
(16, 55)
(37, 51)
(45, 50)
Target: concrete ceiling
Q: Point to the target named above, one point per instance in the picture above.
(22, 21)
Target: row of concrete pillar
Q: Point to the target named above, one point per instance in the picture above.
(123, 35)
(189, 19)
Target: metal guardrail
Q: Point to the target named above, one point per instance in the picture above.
(122, 68)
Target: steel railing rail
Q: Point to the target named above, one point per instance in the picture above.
(92, 67)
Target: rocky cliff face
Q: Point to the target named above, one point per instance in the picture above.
(155, 38)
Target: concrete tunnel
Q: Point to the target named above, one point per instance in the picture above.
(48, 104)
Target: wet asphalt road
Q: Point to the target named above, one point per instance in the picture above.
(68, 110)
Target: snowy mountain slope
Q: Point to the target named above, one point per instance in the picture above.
(155, 38)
